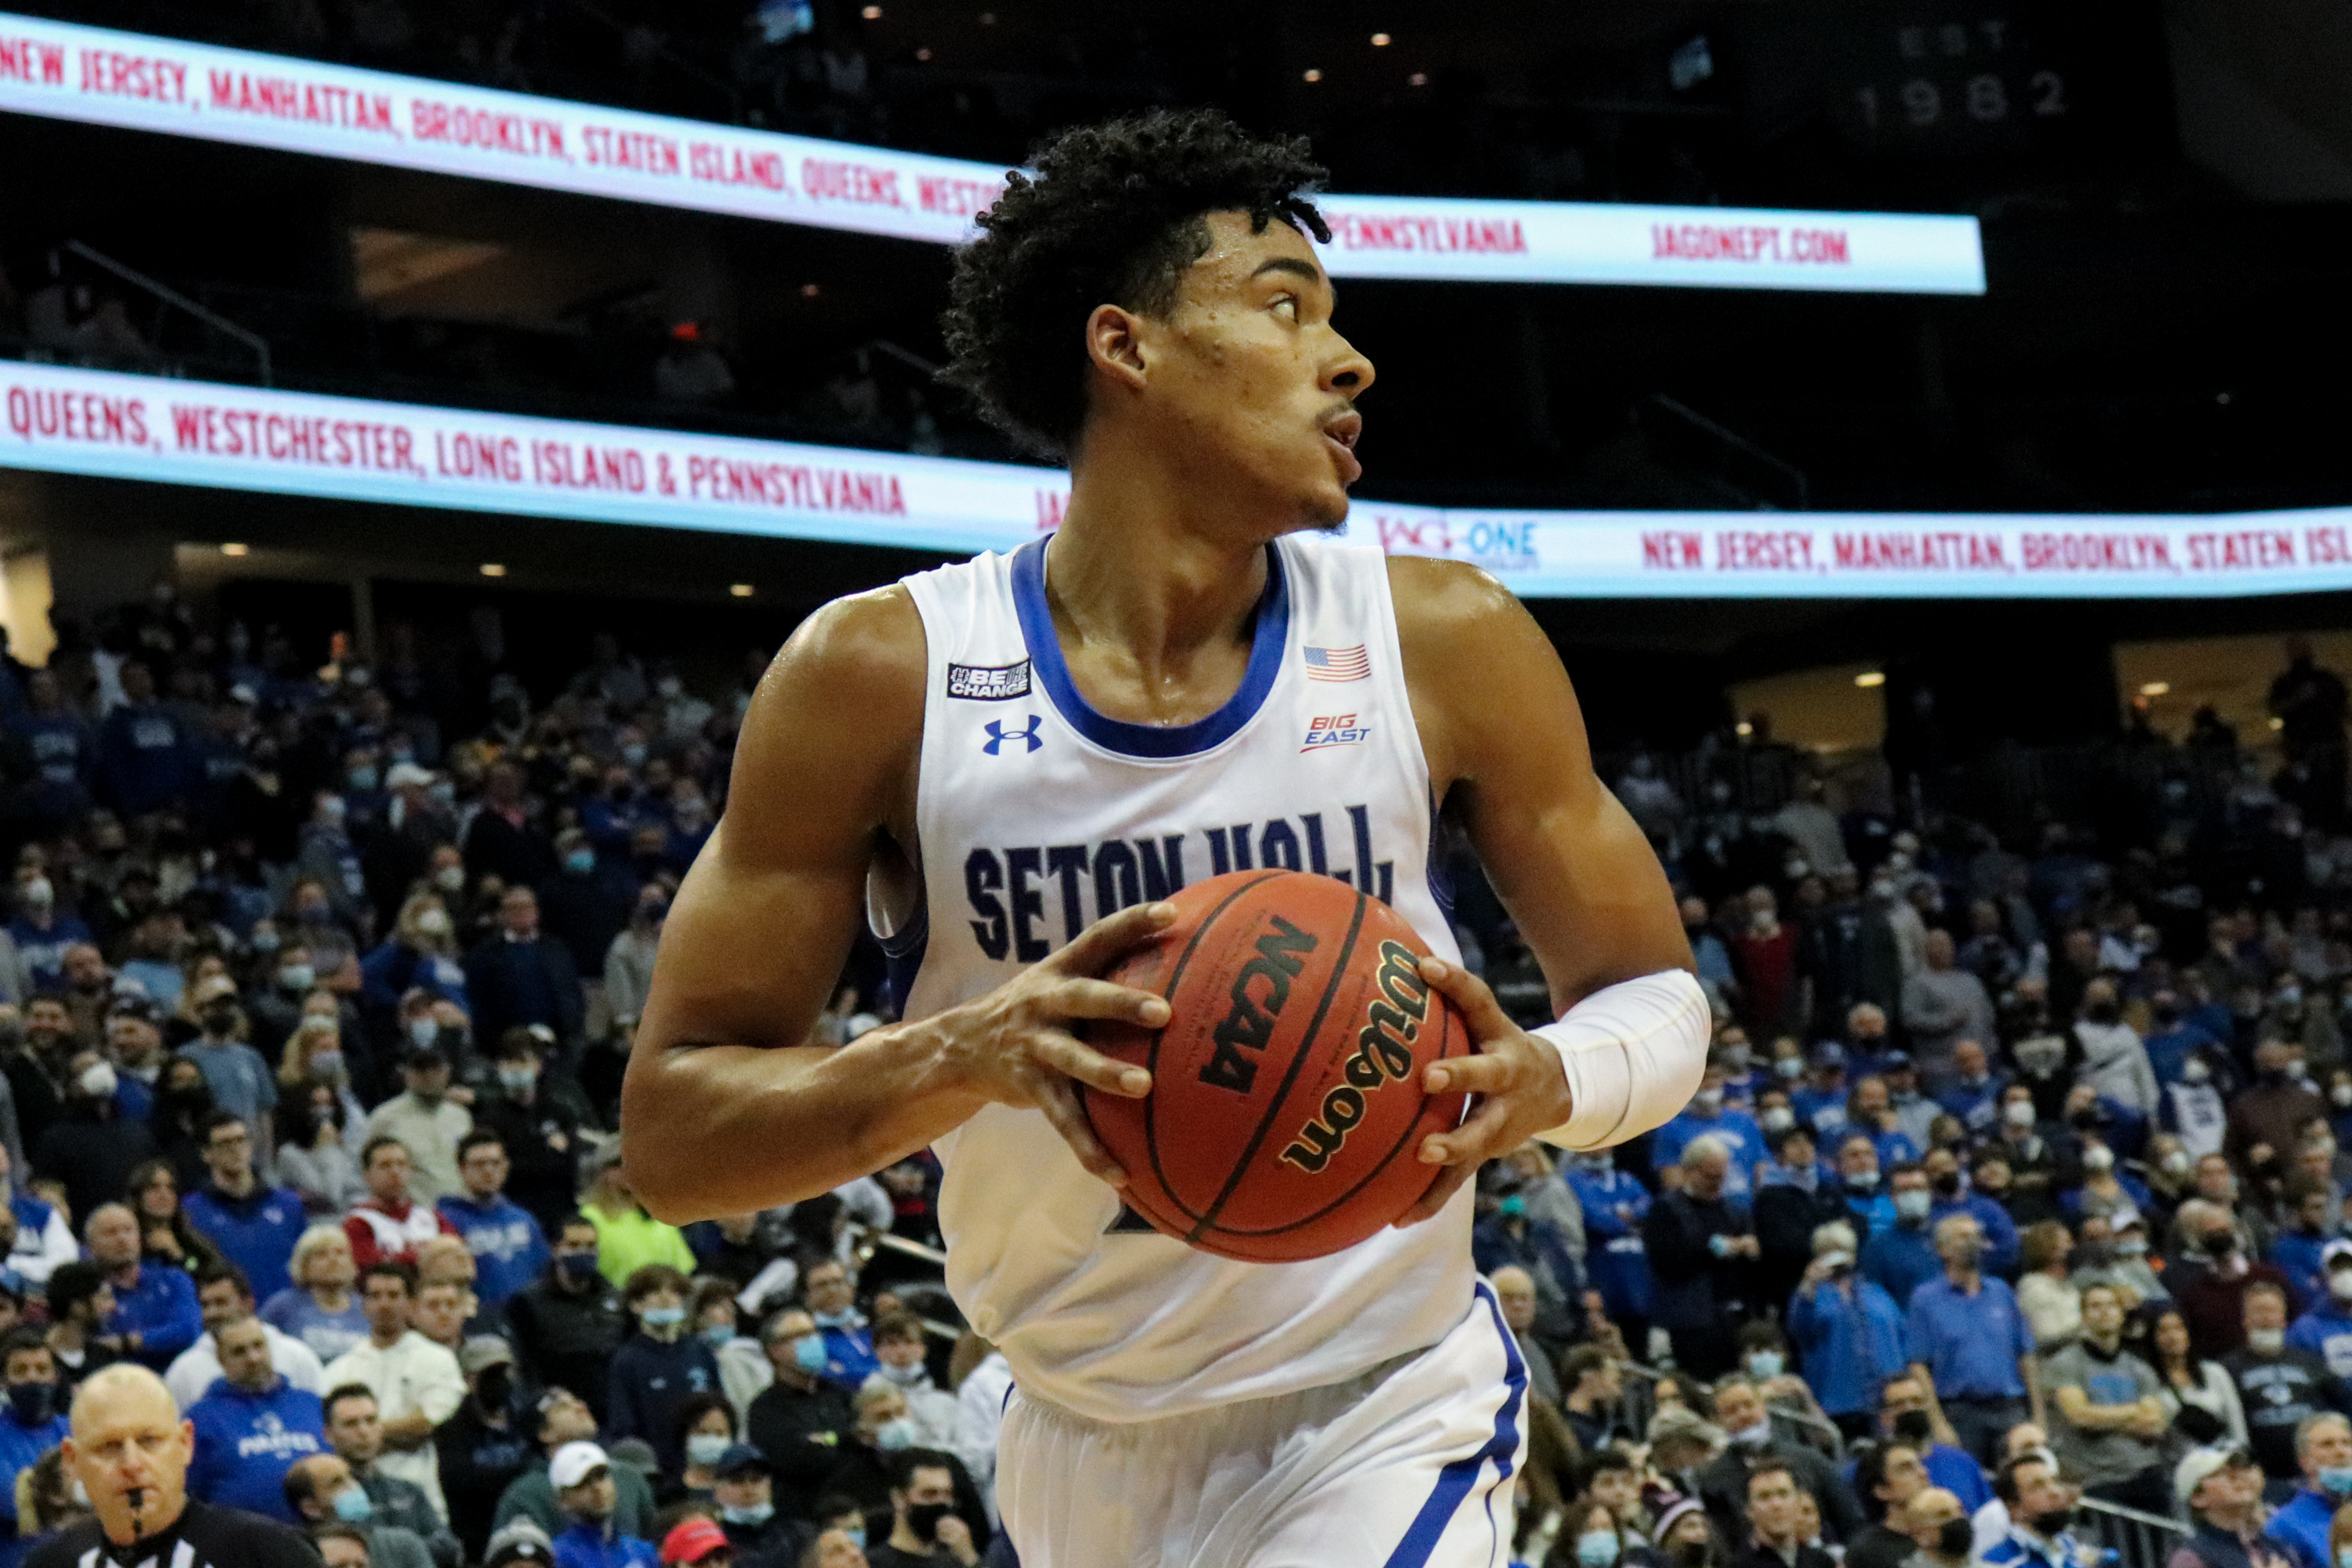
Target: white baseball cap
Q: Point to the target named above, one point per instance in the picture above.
(2197, 1465)
(574, 1463)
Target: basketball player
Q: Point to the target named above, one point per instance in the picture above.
(1006, 763)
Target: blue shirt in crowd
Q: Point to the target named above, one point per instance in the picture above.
(162, 1310)
(245, 1442)
(20, 1444)
(588, 1546)
(509, 1250)
(1847, 1346)
(1616, 1264)
(255, 1232)
(1977, 1105)
(295, 1313)
(239, 1078)
(1737, 1130)
(1970, 1344)
(1999, 1230)
(1899, 1259)
(2326, 1330)
(2301, 1527)
(1959, 1474)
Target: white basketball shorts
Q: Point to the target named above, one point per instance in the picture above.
(1409, 1465)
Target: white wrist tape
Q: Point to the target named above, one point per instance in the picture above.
(1634, 1052)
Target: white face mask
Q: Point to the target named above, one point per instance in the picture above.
(1778, 1118)
(2018, 1114)
(2265, 1342)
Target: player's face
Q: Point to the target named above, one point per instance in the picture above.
(1248, 380)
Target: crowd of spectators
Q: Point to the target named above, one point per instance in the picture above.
(315, 989)
(2015, 1181)
(2015, 1177)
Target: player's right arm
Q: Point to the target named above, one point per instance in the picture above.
(725, 1110)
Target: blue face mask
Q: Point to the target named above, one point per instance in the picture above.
(892, 1435)
(756, 1515)
(1596, 1548)
(353, 1506)
(857, 1533)
(580, 863)
(361, 778)
(664, 1317)
(717, 1334)
(1514, 1204)
(809, 1353)
(2335, 1479)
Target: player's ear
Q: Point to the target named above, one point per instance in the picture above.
(1115, 343)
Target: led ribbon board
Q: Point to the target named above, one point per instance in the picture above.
(99, 77)
(68, 421)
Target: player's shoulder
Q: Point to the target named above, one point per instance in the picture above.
(864, 653)
(1437, 598)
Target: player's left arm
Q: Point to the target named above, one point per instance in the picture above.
(1506, 749)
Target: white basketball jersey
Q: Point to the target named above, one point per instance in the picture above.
(1039, 815)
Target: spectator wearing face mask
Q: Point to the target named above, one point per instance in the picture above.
(926, 1530)
(33, 1422)
(799, 1420)
(879, 1437)
(94, 1148)
(1848, 1332)
(658, 1369)
(1708, 1115)
(1903, 1257)
(2323, 1451)
(1723, 1482)
(486, 1445)
(539, 1116)
(2279, 1388)
(1868, 1203)
(567, 1325)
(2193, 1107)
(2114, 1061)
(239, 1078)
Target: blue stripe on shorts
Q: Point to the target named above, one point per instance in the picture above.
(1453, 1482)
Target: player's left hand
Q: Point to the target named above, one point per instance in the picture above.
(1521, 1088)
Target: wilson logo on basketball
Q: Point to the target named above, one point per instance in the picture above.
(1383, 1055)
(1249, 1023)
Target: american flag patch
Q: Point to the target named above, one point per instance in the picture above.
(1338, 664)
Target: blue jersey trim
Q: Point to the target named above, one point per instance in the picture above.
(1455, 1481)
(1268, 642)
(902, 956)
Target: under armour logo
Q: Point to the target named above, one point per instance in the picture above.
(998, 735)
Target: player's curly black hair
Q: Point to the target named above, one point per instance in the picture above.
(1109, 213)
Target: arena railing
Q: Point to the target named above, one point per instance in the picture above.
(2133, 1538)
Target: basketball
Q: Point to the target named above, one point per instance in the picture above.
(1285, 1106)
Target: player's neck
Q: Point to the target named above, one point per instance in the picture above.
(1132, 571)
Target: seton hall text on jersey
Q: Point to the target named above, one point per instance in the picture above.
(1020, 893)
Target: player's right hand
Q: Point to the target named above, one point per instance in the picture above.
(1011, 1046)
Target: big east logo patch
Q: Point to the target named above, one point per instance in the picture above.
(1335, 729)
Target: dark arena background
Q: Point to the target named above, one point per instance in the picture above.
(1918, 424)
